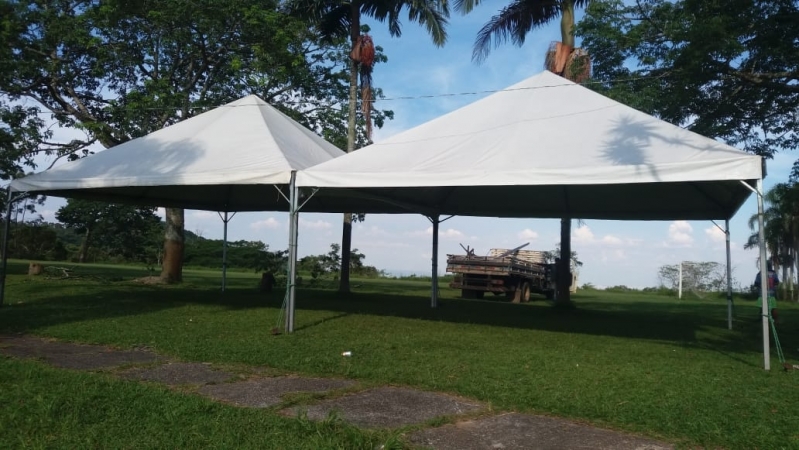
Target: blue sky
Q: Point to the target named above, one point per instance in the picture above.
(613, 252)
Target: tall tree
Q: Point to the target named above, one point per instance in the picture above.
(119, 70)
(337, 19)
(514, 22)
(121, 229)
(781, 220)
(724, 69)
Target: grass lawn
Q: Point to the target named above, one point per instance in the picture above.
(650, 364)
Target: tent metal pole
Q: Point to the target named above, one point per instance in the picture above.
(729, 275)
(434, 285)
(292, 275)
(763, 276)
(224, 253)
(6, 229)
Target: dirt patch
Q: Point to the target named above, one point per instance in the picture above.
(389, 407)
(150, 280)
(176, 374)
(266, 392)
(72, 356)
(522, 431)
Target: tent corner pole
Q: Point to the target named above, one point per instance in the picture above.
(763, 276)
(434, 285)
(729, 274)
(224, 252)
(292, 275)
(6, 230)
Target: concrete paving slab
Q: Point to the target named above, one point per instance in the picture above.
(72, 356)
(176, 374)
(528, 432)
(266, 392)
(389, 407)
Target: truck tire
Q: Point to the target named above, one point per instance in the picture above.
(468, 293)
(525, 292)
(517, 294)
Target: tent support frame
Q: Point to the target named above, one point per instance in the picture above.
(291, 284)
(10, 200)
(761, 235)
(225, 219)
(436, 221)
(726, 231)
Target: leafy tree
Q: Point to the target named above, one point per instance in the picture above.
(514, 22)
(781, 229)
(119, 70)
(342, 20)
(35, 240)
(697, 277)
(725, 69)
(122, 230)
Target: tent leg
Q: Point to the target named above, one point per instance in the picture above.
(6, 229)
(224, 253)
(434, 285)
(292, 275)
(729, 275)
(763, 277)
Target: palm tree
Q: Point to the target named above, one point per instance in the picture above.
(514, 22)
(336, 19)
(781, 229)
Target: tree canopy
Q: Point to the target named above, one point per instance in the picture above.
(727, 69)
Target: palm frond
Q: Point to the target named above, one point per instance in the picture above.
(513, 23)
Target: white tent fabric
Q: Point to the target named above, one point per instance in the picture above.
(226, 159)
(545, 147)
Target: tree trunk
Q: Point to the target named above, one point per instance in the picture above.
(564, 271)
(346, 234)
(567, 23)
(172, 269)
(84, 246)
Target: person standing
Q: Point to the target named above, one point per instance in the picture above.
(773, 281)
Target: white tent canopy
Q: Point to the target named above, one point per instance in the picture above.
(545, 147)
(226, 159)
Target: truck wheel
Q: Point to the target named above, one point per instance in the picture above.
(525, 292)
(479, 294)
(517, 294)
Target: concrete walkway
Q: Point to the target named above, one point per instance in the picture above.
(472, 427)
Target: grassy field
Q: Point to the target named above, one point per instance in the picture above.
(649, 364)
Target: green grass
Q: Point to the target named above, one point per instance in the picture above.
(650, 364)
(50, 408)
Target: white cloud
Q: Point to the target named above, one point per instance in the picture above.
(527, 234)
(48, 215)
(160, 213)
(715, 234)
(449, 233)
(680, 233)
(269, 223)
(315, 224)
(583, 235)
(204, 214)
(612, 240)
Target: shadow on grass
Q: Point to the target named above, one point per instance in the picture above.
(62, 302)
